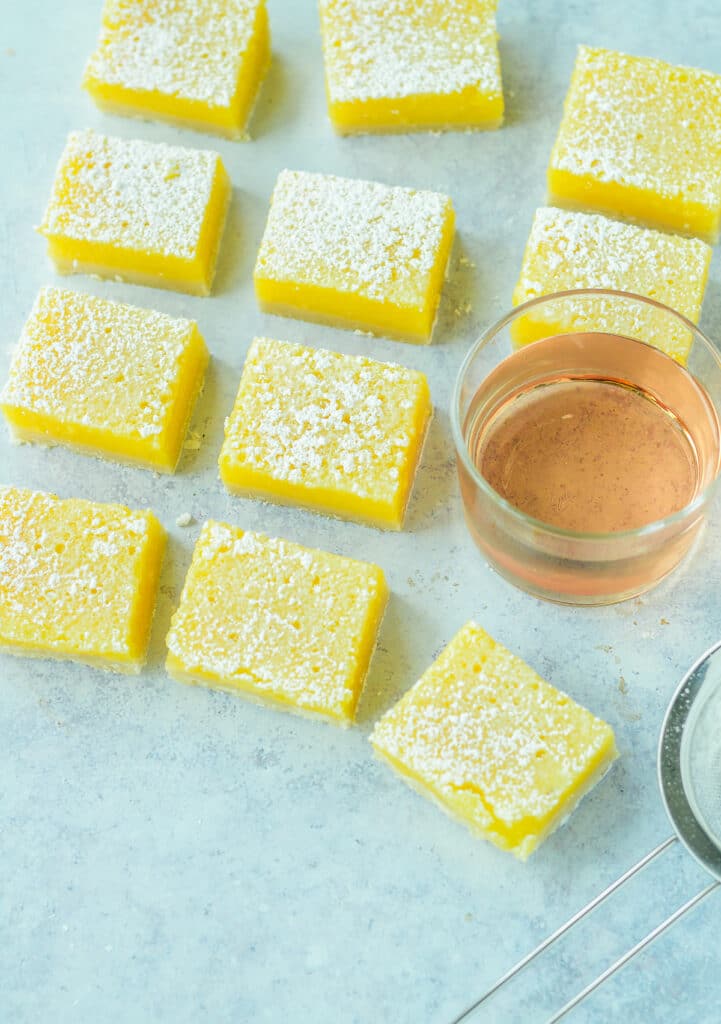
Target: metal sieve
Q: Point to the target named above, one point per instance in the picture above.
(689, 775)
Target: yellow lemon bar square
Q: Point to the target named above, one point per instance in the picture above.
(335, 433)
(496, 746)
(197, 63)
(403, 65)
(641, 139)
(105, 378)
(568, 249)
(277, 622)
(139, 211)
(355, 254)
(78, 579)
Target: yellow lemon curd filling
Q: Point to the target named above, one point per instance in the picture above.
(641, 139)
(197, 63)
(78, 579)
(403, 65)
(335, 433)
(105, 378)
(279, 623)
(567, 249)
(140, 211)
(355, 254)
(493, 744)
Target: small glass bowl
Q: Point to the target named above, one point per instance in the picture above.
(559, 564)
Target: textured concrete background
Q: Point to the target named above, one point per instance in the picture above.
(171, 854)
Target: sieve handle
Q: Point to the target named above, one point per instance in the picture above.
(623, 960)
(578, 916)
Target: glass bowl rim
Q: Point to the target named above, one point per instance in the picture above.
(640, 532)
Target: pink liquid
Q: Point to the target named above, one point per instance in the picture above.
(595, 435)
(592, 456)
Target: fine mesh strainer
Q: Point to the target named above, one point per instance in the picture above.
(689, 774)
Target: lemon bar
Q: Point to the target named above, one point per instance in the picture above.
(394, 66)
(138, 211)
(197, 63)
(276, 622)
(335, 433)
(641, 139)
(568, 249)
(355, 254)
(105, 378)
(78, 579)
(492, 743)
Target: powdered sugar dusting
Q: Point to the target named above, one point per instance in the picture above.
(68, 573)
(284, 620)
(588, 250)
(641, 122)
(378, 49)
(315, 418)
(88, 362)
(131, 194)
(191, 49)
(482, 722)
(359, 237)
(568, 250)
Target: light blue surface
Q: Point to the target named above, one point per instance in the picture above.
(170, 854)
